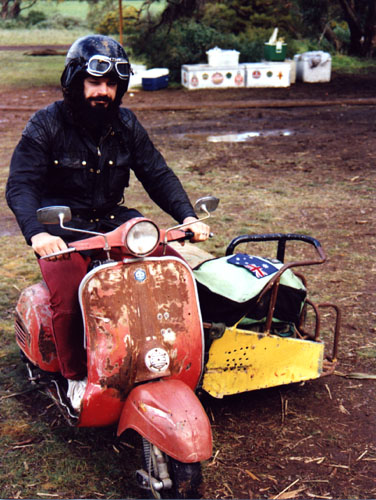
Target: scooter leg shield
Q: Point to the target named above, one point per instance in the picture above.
(168, 414)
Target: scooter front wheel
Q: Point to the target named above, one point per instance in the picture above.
(166, 477)
(186, 479)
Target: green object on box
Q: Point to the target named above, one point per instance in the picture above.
(275, 51)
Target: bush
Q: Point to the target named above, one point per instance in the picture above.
(11, 24)
(109, 24)
(57, 21)
(34, 17)
(186, 42)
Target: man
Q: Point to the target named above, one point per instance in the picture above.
(79, 152)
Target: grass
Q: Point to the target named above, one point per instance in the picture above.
(39, 36)
(347, 64)
(34, 71)
(69, 8)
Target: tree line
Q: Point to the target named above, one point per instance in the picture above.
(347, 26)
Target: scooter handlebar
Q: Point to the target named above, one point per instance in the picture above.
(188, 235)
(56, 254)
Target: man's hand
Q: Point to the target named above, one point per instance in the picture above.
(201, 231)
(45, 243)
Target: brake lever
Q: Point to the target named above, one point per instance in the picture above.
(60, 252)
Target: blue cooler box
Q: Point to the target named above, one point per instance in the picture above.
(155, 79)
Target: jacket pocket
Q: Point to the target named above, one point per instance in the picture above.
(118, 173)
(68, 173)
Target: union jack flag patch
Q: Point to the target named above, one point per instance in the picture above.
(258, 266)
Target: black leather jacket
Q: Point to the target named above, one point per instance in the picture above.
(57, 163)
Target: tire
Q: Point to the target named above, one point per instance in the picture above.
(186, 477)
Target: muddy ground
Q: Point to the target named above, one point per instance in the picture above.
(312, 440)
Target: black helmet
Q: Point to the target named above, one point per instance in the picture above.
(96, 55)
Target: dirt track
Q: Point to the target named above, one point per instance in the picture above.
(316, 440)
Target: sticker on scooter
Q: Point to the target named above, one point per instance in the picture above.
(157, 360)
(140, 275)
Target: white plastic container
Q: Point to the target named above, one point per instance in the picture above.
(219, 57)
(203, 76)
(267, 74)
(313, 67)
(135, 80)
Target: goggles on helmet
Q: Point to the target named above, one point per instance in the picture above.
(100, 65)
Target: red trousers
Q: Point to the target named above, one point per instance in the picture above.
(63, 278)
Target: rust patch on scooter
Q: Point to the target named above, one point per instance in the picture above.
(46, 345)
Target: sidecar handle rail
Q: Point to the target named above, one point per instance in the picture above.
(273, 285)
(281, 238)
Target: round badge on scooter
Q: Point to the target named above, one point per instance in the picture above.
(157, 360)
(140, 275)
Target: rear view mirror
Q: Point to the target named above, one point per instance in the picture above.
(206, 204)
(54, 215)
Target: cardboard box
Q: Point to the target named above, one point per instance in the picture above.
(267, 74)
(203, 76)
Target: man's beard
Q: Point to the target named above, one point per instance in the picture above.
(93, 118)
(98, 115)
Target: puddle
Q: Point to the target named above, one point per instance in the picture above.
(248, 136)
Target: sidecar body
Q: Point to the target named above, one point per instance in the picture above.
(259, 339)
(243, 360)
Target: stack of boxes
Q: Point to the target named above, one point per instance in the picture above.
(224, 71)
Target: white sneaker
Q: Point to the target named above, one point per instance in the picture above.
(76, 391)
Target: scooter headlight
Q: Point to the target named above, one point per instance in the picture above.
(142, 238)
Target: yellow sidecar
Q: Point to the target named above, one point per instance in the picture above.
(264, 346)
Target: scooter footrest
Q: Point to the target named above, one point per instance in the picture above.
(147, 482)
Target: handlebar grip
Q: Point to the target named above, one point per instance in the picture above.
(188, 235)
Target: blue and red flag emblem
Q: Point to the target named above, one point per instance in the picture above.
(258, 266)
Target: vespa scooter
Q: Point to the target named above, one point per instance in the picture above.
(145, 347)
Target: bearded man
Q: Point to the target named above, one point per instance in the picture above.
(79, 152)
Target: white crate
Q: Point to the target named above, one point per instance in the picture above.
(219, 57)
(267, 74)
(313, 67)
(135, 80)
(203, 76)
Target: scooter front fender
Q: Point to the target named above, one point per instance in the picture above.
(168, 414)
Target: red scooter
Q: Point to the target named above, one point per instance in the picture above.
(144, 343)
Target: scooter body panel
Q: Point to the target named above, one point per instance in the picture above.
(168, 414)
(243, 360)
(33, 326)
(100, 406)
(142, 322)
